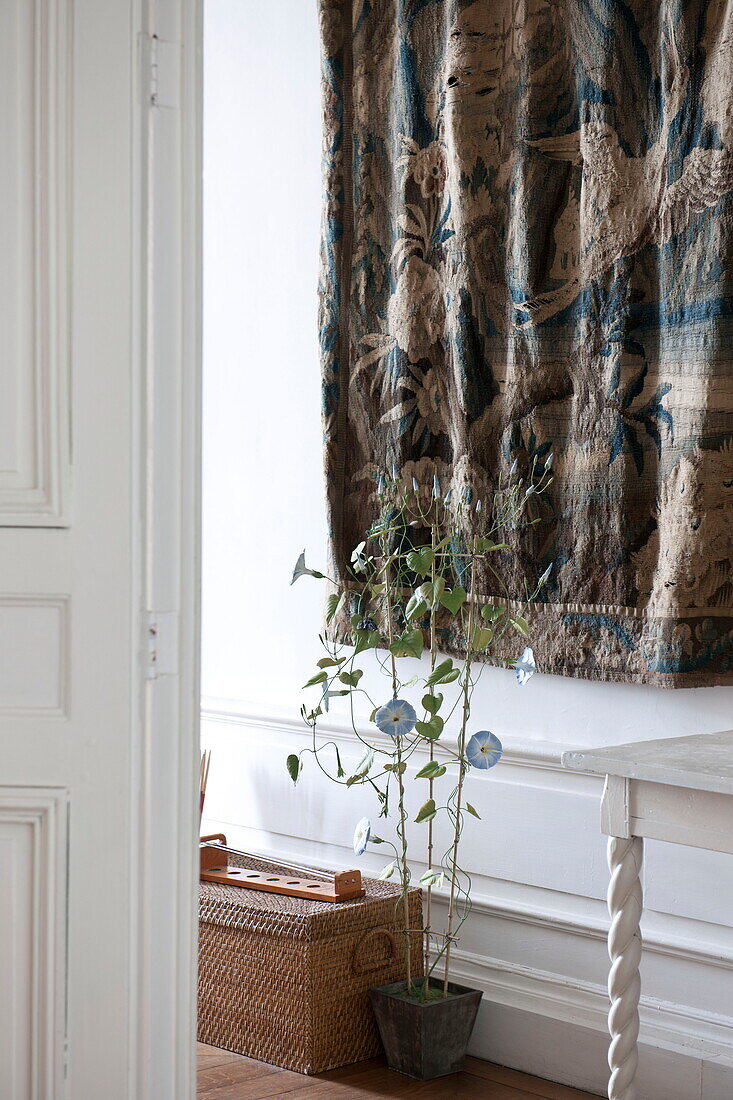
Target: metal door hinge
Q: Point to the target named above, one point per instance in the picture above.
(161, 644)
(161, 71)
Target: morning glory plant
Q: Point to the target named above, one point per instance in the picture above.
(415, 582)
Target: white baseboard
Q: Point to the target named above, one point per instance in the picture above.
(677, 1028)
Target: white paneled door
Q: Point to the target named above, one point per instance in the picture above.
(98, 536)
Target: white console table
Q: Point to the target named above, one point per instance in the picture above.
(678, 789)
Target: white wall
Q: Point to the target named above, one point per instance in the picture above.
(535, 943)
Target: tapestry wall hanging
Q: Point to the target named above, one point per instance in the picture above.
(527, 251)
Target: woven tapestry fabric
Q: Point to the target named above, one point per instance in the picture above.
(526, 250)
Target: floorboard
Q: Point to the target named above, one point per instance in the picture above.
(226, 1076)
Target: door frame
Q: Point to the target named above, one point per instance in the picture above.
(167, 171)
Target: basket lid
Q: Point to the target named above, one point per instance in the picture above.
(300, 918)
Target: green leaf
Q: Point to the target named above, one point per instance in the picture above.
(351, 678)
(362, 768)
(521, 625)
(427, 811)
(293, 763)
(485, 545)
(327, 662)
(453, 599)
(490, 614)
(431, 592)
(333, 603)
(471, 810)
(416, 607)
(421, 560)
(389, 870)
(398, 769)
(431, 770)
(317, 679)
(431, 729)
(409, 644)
(432, 702)
(481, 637)
(437, 676)
(365, 639)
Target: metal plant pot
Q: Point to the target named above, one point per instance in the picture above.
(425, 1040)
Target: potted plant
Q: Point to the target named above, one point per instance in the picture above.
(415, 586)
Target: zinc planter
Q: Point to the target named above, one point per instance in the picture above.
(425, 1040)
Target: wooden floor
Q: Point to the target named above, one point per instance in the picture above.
(225, 1076)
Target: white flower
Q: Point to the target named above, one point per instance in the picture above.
(302, 570)
(525, 667)
(362, 832)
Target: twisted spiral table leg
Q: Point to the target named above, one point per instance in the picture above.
(624, 949)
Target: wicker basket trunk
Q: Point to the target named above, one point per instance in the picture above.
(285, 980)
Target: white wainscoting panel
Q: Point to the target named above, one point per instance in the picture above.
(34, 270)
(536, 939)
(33, 873)
(34, 672)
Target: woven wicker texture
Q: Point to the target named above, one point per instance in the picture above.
(285, 980)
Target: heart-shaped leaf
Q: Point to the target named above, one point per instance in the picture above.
(409, 644)
(351, 678)
(453, 599)
(431, 729)
(421, 560)
(490, 614)
(432, 702)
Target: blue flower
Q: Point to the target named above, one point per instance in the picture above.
(436, 487)
(525, 667)
(302, 570)
(396, 717)
(484, 750)
(362, 832)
